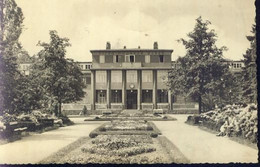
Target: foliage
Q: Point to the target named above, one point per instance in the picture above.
(201, 71)
(249, 88)
(11, 19)
(59, 79)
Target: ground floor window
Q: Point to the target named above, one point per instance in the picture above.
(162, 96)
(147, 96)
(101, 96)
(116, 96)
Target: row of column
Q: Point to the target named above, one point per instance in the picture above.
(139, 89)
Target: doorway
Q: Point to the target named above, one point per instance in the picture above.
(131, 99)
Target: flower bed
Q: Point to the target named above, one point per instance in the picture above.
(232, 121)
(120, 145)
(117, 144)
(126, 127)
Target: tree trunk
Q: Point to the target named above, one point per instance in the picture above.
(200, 104)
(59, 109)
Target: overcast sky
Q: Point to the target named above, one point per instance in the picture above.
(89, 24)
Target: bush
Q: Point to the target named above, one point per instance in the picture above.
(97, 118)
(93, 135)
(154, 135)
(149, 128)
(102, 129)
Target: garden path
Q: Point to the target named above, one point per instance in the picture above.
(200, 146)
(34, 148)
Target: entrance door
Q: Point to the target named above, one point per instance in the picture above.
(131, 99)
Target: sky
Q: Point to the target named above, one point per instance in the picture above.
(89, 24)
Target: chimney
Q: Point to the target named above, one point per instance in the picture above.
(155, 45)
(108, 45)
(124, 47)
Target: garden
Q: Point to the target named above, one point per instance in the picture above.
(121, 141)
(14, 127)
(235, 121)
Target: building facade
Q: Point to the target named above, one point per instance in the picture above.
(130, 78)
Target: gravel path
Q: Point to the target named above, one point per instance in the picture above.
(200, 146)
(33, 148)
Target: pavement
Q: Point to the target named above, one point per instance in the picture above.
(200, 146)
(197, 145)
(34, 148)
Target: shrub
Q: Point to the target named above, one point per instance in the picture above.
(154, 135)
(93, 135)
(149, 128)
(102, 129)
(97, 118)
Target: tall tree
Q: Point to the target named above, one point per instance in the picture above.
(201, 70)
(11, 19)
(60, 79)
(249, 71)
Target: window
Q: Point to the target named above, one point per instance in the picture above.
(147, 96)
(147, 76)
(102, 59)
(88, 80)
(81, 66)
(147, 58)
(115, 58)
(101, 96)
(161, 58)
(162, 76)
(131, 76)
(130, 58)
(162, 96)
(116, 76)
(116, 96)
(101, 76)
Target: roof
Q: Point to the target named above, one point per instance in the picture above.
(132, 50)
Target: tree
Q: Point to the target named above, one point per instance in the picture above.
(201, 70)
(11, 19)
(249, 86)
(60, 79)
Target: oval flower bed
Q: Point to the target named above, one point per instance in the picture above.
(120, 145)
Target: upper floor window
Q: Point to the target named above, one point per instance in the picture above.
(161, 58)
(116, 59)
(101, 77)
(130, 58)
(116, 76)
(102, 59)
(147, 76)
(147, 58)
(81, 66)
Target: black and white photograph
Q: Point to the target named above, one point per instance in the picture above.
(128, 82)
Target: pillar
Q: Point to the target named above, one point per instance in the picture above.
(170, 99)
(124, 89)
(155, 89)
(108, 89)
(139, 90)
(93, 89)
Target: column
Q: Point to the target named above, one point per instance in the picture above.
(139, 90)
(93, 89)
(155, 89)
(108, 89)
(170, 99)
(124, 89)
